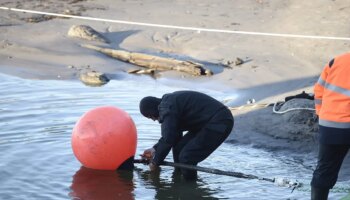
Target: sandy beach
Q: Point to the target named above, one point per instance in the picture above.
(34, 46)
(273, 65)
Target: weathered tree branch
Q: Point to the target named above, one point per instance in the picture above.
(154, 62)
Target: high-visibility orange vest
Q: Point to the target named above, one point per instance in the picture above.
(332, 93)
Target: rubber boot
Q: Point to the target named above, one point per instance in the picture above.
(319, 193)
(189, 175)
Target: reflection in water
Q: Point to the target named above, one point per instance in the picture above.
(89, 184)
(176, 187)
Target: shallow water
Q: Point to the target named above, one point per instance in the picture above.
(36, 160)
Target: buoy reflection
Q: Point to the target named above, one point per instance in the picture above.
(89, 184)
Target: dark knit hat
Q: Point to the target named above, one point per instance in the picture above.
(149, 106)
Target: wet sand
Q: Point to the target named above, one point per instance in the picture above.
(273, 65)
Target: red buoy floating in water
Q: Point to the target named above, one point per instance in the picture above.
(104, 138)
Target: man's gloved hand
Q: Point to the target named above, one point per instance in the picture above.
(148, 155)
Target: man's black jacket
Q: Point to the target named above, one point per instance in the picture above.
(182, 111)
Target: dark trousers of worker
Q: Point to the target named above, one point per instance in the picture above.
(330, 159)
(194, 147)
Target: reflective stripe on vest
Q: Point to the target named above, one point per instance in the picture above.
(333, 88)
(332, 124)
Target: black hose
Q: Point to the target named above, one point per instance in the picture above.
(208, 170)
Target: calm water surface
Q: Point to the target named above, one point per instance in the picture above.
(36, 160)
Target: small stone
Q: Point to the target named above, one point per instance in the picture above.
(86, 32)
(93, 78)
(250, 101)
(229, 62)
(208, 72)
(239, 61)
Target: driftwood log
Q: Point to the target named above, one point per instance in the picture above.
(154, 62)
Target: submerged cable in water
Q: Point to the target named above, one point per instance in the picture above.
(278, 181)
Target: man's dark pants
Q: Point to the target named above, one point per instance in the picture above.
(194, 147)
(330, 159)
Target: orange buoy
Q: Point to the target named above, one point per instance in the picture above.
(104, 138)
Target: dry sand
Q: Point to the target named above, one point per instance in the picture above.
(274, 67)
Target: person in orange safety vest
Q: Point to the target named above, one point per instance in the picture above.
(332, 103)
